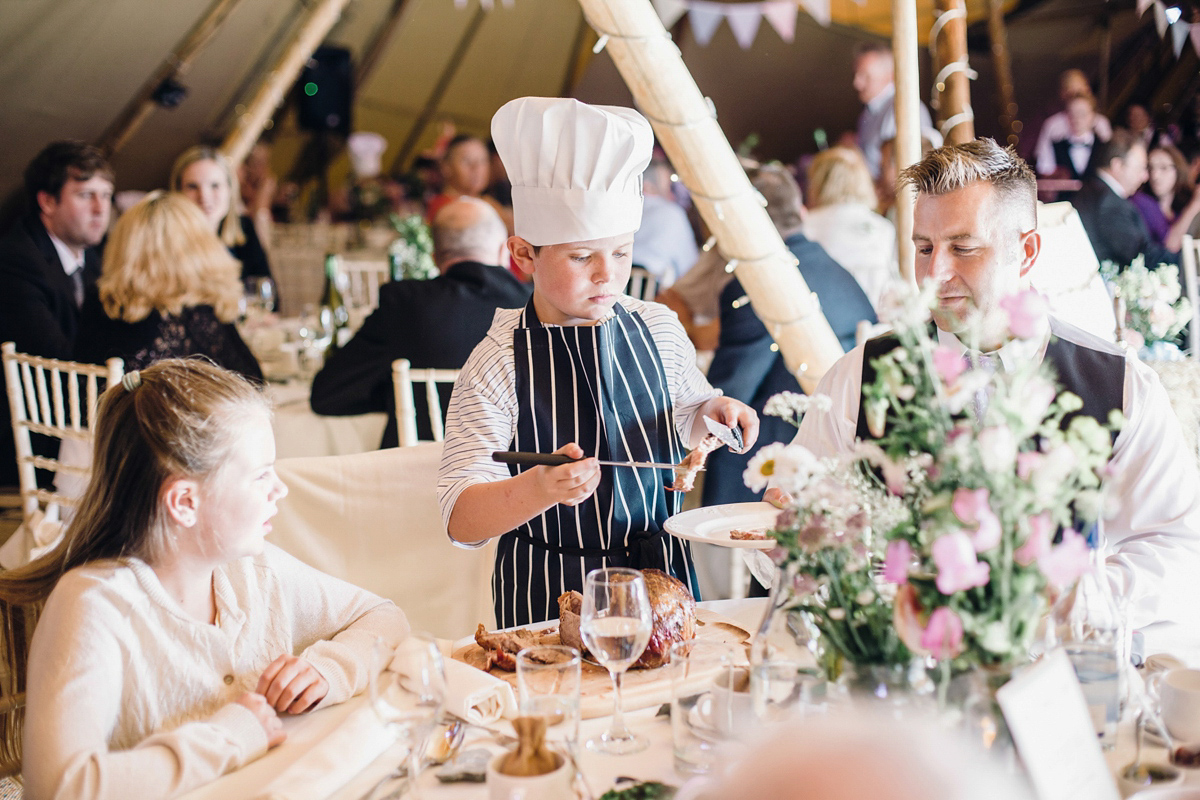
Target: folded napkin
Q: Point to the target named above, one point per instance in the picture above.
(37, 536)
(476, 696)
(334, 760)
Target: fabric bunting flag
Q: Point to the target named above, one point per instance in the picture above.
(818, 10)
(705, 18)
(744, 21)
(782, 16)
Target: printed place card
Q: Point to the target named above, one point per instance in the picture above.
(1052, 729)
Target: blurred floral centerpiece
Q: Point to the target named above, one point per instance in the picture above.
(411, 254)
(1154, 309)
(944, 524)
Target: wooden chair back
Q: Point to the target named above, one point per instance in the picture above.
(53, 398)
(403, 378)
(642, 284)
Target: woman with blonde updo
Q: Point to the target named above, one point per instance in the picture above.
(168, 288)
(841, 218)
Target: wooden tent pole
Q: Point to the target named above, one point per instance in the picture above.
(1002, 64)
(952, 84)
(908, 123)
(249, 126)
(687, 128)
(138, 110)
(439, 90)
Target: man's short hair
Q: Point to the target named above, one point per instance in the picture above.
(955, 166)
(782, 194)
(872, 47)
(480, 240)
(62, 161)
(1118, 146)
(461, 138)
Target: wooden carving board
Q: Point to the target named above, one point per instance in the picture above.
(641, 688)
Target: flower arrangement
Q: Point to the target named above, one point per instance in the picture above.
(1155, 310)
(411, 254)
(939, 534)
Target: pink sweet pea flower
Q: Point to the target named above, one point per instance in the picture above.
(1027, 462)
(971, 507)
(957, 567)
(897, 562)
(948, 363)
(1041, 529)
(1065, 562)
(1026, 313)
(943, 635)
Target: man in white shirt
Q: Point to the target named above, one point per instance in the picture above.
(874, 80)
(1057, 127)
(48, 258)
(665, 245)
(975, 229)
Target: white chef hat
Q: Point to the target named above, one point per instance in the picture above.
(576, 169)
(366, 153)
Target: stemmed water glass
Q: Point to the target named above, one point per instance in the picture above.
(408, 690)
(615, 624)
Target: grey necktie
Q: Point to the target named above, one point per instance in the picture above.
(77, 281)
(988, 362)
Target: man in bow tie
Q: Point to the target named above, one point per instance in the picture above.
(975, 229)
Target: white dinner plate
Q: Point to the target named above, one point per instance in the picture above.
(712, 524)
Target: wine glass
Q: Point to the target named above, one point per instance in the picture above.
(615, 624)
(408, 690)
(260, 293)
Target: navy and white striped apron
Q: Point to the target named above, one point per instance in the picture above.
(603, 387)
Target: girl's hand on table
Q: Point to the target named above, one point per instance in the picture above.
(291, 685)
(266, 717)
(569, 484)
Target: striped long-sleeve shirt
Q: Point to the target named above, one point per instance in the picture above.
(483, 410)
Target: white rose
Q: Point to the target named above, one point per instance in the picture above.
(998, 448)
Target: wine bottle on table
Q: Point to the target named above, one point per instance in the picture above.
(395, 266)
(332, 298)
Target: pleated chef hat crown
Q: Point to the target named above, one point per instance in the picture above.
(576, 169)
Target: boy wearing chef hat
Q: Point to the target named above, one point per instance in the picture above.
(582, 370)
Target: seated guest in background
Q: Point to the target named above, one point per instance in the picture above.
(1073, 152)
(48, 258)
(975, 228)
(434, 323)
(173, 636)
(842, 220)
(205, 176)
(885, 184)
(1169, 202)
(258, 186)
(746, 366)
(874, 76)
(694, 298)
(466, 170)
(1057, 127)
(665, 245)
(1116, 229)
(169, 289)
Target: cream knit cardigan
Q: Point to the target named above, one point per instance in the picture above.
(129, 698)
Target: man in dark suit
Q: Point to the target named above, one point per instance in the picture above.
(746, 366)
(48, 258)
(1113, 224)
(434, 323)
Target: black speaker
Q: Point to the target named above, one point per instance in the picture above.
(326, 91)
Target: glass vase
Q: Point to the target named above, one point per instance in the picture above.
(900, 690)
(967, 701)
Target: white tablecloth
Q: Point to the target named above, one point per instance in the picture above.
(299, 432)
(601, 771)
